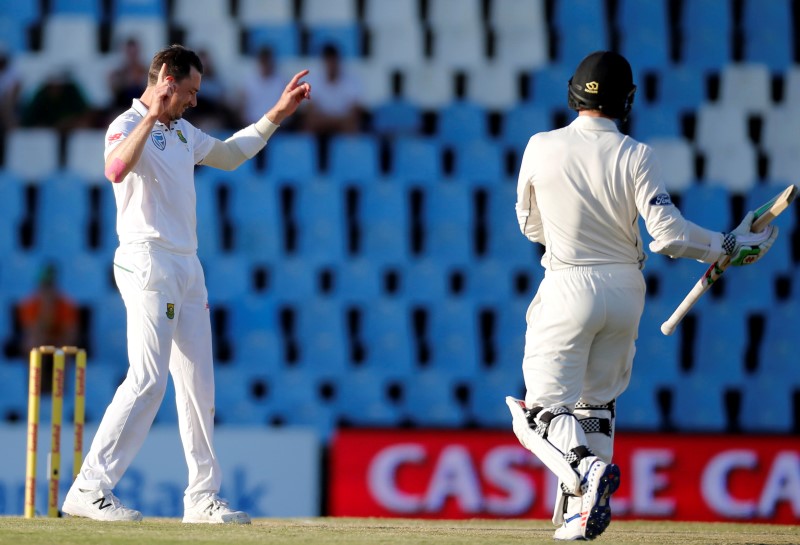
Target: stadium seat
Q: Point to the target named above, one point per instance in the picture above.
(282, 39)
(479, 162)
(323, 338)
(14, 39)
(462, 121)
(581, 27)
(645, 33)
(424, 282)
(455, 337)
(708, 205)
(220, 39)
(345, 37)
(427, 85)
(209, 225)
(681, 88)
(293, 281)
(327, 12)
(256, 218)
(448, 237)
(21, 13)
(155, 9)
(521, 48)
(429, 400)
(363, 399)
(388, 335)
(416, 159)
(522, 121)
(699, 405)
(654, 121)
(32, 154)
(549, 86)
(358, 281)
(86, 277)
(381, 15)
(778, 351)
(720, 127)
(14, 401)
(321, 222)
(384, 220)
(768, 33)
(720, 357)
(637, 407)
(458, 47)
(265, 12)
(85, 154)
(109, 333)
(489, 281)
(149, 31)
(747, 87)
(676, 158)
(68, 40)
(62, 216)
(734, 167)
(354, 159)
(707, 26)
(396, 118)
(493, 86)
(375, 81)
(190, 13)
(767, 404)
(88, 8)
(400, 46)
(488, 391)
(506, 241)
(227, 278)
(12, 205)
(292, 157)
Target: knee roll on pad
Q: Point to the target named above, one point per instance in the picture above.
(554, 436)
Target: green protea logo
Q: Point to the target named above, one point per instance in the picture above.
(170, 310)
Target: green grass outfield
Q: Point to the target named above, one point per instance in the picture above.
(322, 531)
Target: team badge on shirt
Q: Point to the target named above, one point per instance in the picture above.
(181, 137)
(170, 310)
(159, 139)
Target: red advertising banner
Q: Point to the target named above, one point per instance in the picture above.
(487, 474)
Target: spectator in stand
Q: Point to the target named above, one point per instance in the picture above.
(47, 318)
(337, 107)
(127, 80)
(260, 89)
(59, 103)
(212, 112)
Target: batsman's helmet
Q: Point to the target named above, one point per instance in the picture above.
(603, 81)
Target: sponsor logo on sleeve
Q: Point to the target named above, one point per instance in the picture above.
(114, 137)
(662, 199)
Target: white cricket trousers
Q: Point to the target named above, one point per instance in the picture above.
(579, 343)
(169, 329)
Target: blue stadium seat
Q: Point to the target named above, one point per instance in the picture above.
(109, 333)
(707, 205)
(321, 222)
(209, 225)
(236, 402)
(460, 122)
(681, 87)
(581, 27)
(91, 8)
(429, 400)
(721, 339)
(14, 401)
(768, 33)
(282, 39)
(699, 405)
(358, 281)
(454, 334)
(228, 278)
(322, 336)
(292, 157)
(62, 216)
(354, 159)
(645, 33)
(510, 335)
(549, 86)
(257, 219)
(707, 27)
(657, 356)
(751, 288)
(138, 8)
(479, 162)
(487, 400)
(521, 122)
(384, 224)
(252, 313)
(767, 404)
(387, 333)
(258, 350)
(778, 350)
(293, 280)
(448, 236)
(506, 242)
(346, 38)
(424, 282)
(416, 159)
(490, 281)
(654, 121)
(21, 13)
(14, 35)
(86, 277)
(363, 399)
(637, 407)
(396, 117)
(296, 401)
(12, 203)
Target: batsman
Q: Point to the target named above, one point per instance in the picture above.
(150, 155)
(580, 192)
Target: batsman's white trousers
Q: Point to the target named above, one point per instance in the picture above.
(169, 329)
(579, 343)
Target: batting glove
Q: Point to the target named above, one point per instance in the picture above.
(745, 247)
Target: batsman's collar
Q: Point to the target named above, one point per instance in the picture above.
(588, 123)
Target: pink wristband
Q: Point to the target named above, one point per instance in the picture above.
(115, 169)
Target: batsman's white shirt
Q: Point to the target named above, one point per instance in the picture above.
(168, 324)
(581, 189)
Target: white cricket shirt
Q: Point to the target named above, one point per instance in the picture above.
(585, 185)
(156, 201)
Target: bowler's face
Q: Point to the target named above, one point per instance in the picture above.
(185, 95)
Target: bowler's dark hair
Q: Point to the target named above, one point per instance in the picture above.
(180, 61)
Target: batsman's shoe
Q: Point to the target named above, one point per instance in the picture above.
(97, 505)
(599, 481)
(214, 510)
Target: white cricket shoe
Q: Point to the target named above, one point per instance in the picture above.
(599, 481)
(214, 510)
(97, 505)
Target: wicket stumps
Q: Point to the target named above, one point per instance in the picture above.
(34, 401)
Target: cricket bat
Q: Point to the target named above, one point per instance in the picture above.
(763, 217)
